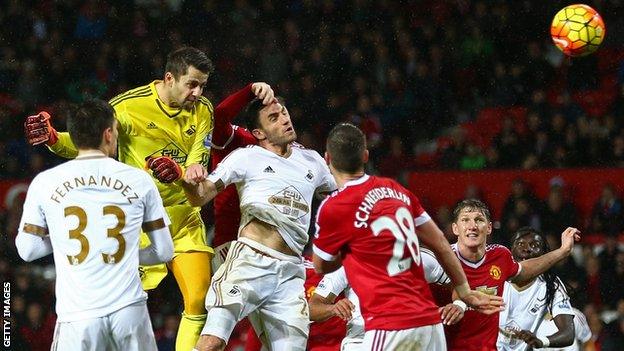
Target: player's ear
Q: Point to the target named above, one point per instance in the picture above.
(327, 158)
(258, 134)
(365, 156)
(455, 229)
(169, 78)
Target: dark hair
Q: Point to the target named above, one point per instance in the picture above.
(472, 205)
(346, 145)
(551, 279)
(88, 121)
(178, 61)
(251, 113)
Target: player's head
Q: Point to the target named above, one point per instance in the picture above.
(92, 125)
(346, 149)
(270, 123)
(528, 243)
(472, 222)
(186, 74)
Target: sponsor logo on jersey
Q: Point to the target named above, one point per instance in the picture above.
(495, 272)
(268, 170)
(191, 130)
(290, 202)
(152, 125)
(173, 151)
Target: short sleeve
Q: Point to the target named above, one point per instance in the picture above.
(434, 273)
(231, 169)
(581, 327)
(418, 212)
(510, 267)
(561, 302)
(154, 209)
(332, 283)
(33, 213)
(329, 237)
(326, 182)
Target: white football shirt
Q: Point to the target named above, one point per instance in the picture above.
(276, 190)
(93, 208)
(336, 283)
(524, 310)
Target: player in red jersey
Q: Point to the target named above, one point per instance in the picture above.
(375, 224)
(487, 267)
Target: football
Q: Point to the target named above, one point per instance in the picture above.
(577, 30)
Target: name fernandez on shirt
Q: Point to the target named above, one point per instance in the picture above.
(62, 190)
(371, 198)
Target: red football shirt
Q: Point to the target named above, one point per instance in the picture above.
(478, 331)
(372, 221)
(225, 139)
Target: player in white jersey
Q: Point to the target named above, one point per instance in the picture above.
(263, 274)
(323, 304)
(88, 213)
(582, 333)
(529, 306)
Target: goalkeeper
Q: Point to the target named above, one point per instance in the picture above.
(162, 126)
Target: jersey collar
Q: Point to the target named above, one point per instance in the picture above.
(358, 181)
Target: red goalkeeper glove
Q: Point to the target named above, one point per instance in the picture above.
(38, 129)
(164, 168)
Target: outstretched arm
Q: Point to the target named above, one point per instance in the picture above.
(201, 193)
(533, 267)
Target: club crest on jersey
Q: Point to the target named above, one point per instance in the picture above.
(290, 202)
(173, 151)
(234, 291)
(310, 175)
(152, 125)
(495, 272)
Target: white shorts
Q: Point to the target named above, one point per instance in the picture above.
(429, 337)
(351, 344)
(128, 329)
(268, 289)
(220, 254)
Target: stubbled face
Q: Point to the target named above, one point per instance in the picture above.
(472, 228)
(186, 89)
(276, 124)
(527, 246)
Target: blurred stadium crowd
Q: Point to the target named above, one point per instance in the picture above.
(455, 84)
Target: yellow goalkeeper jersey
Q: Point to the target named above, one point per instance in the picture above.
(148, 127)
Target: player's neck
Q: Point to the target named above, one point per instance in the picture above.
(344, 178)
(472, 254)
(280, 150)
(91, 153)
(163, 94)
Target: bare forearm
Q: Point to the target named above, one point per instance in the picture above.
(320, 310)
(533, 267)
(200, 194)
(565, 333)
(432, 237)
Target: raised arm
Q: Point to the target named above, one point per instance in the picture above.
(533, 267)
(201, 193)
(229, 108)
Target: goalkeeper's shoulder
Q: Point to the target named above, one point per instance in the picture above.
(206, 105)
(142, 92)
